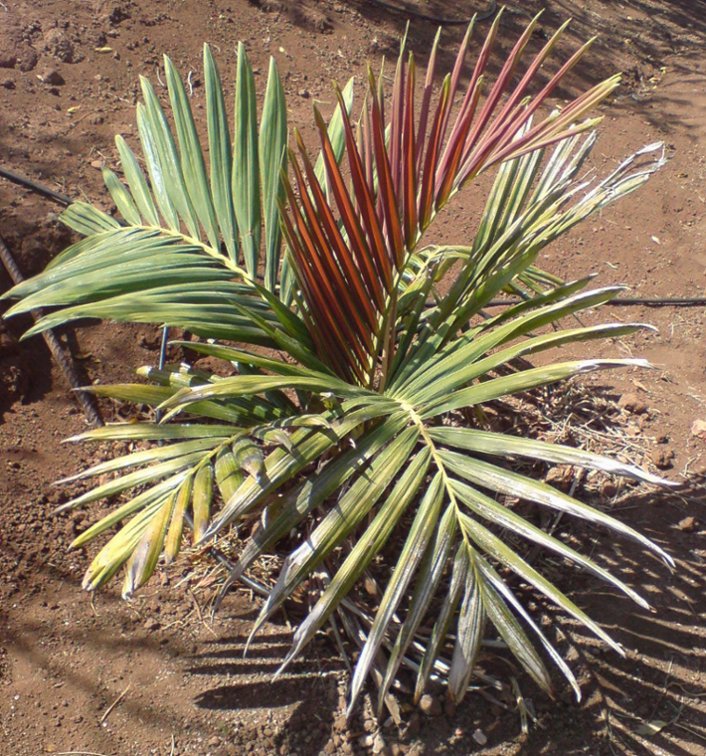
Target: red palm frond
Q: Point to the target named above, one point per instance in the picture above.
(348, 251)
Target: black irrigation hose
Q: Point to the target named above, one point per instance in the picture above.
(624, 302)
(45, 191)
(619, 301)
(484, 16)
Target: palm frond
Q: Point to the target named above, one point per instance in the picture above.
(187, 251)
(349, 252)
(528, 207)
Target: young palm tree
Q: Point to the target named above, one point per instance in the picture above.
(347, 440)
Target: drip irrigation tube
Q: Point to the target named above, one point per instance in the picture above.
(625, 302)
(35, 186)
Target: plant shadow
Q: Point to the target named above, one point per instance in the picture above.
(309, 688)
(652, 698)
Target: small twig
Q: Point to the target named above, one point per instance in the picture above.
(339, 644)
(687, 693)
(196, 603)
(492, 699)
(219, 556)
(525, 714)
(176, 622)
(106, 713)
(689, 730)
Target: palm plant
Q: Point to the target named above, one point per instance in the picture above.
(350, 432)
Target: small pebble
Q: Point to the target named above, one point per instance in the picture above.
(633, 403)
(480, 737)
(663, 457)
(699, 469)
(608, 489)
(698, 429)
(430, 705)
(53, 77)
(688, 524)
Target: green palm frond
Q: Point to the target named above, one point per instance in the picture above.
(187, 251)
(443, 474)
(530, 205)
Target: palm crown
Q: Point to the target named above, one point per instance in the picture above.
(344, 444)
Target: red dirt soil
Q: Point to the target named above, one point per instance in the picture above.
(155, 675)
